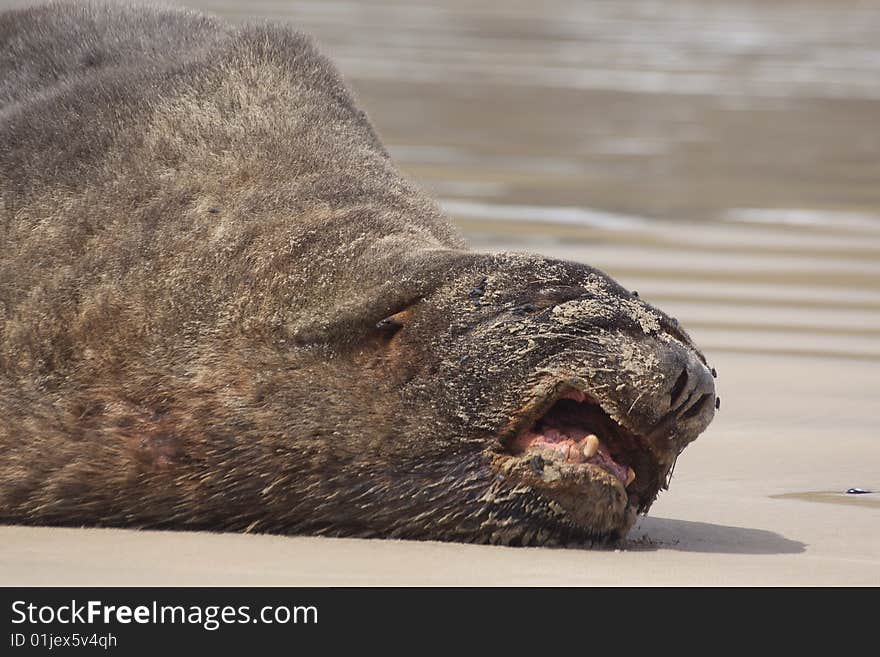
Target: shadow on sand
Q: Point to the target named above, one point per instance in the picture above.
(689, 536)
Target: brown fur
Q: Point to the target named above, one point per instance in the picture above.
(200, 236)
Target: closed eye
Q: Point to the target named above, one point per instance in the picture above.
(543, 298)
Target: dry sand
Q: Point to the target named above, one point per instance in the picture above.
(721, 158)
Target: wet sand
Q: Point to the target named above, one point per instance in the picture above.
(720, 157)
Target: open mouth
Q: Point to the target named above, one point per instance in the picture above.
(567, 443)
(570, 431)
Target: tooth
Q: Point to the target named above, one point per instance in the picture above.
(591, 446)
(630, 476)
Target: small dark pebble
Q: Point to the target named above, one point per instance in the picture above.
(634, 293)
(214, 210)
(537, 464)
(714, 373)
(718, 403)
(478, 290)
(524, 308)
(858, 491)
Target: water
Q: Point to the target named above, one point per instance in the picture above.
(720, 156)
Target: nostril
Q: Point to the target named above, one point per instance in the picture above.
(676, 395)
(698, 407)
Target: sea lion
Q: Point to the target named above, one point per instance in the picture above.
(222, 307)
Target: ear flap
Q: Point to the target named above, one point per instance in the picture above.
(389, 326)
(347, 321)
(382, 306)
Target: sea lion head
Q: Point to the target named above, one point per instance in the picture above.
(539, 401)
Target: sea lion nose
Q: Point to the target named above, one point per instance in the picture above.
(691, 399)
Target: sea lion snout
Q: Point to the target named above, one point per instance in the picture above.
(690, 402)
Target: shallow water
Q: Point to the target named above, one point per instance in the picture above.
(720, 156)
(867, 500)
